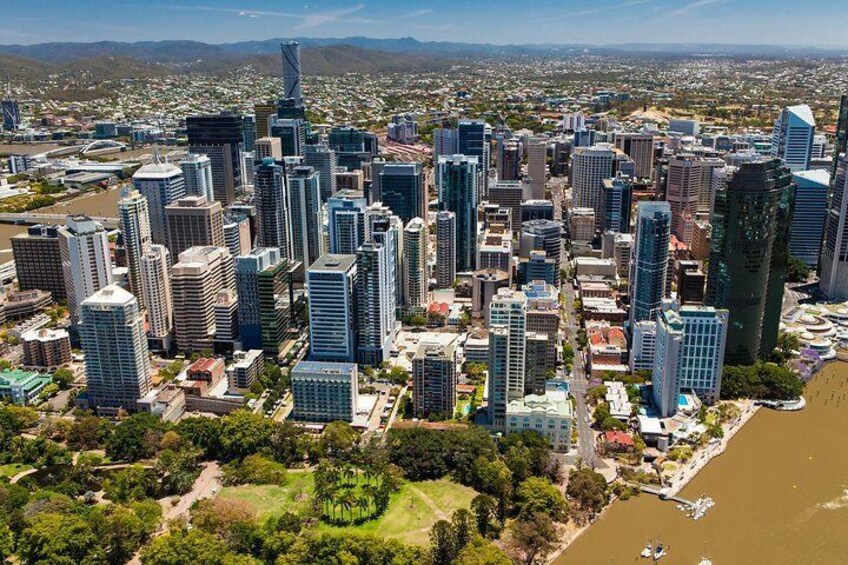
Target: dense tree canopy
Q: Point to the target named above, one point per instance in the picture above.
(763, 381)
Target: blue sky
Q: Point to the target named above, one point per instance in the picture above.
(811, 22)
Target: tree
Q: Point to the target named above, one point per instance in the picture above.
(135, 438)
(64, 378)
(203, 433)
(177, 469)
(532, 538)
(398, 375)
(222, 518)
(787, 344)
(538, 495)
(338, 438)
(493, 477)
(255, 469)
(764, 381)
(588, 489)
(797, 271)
(130, 484)
(244, 433)
(462, 523)
(418, 321)
(442, 543)
(121, 531)
(7, 543)
(481, 552)
(61, 539)
(485, 509)
(182, 548)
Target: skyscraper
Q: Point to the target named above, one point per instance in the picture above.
(445, 249)
(683, 192)
(306, 215)
(197, 173)
(330, 282)
(373, 304)
(415, 265)
(38, 260)
(291, 71)
(323, 160)
(805, 243)
(834, 259)
(387, 229)
(292, 135)
(135, 227)
(649, 260)
(196, 279)
(270, 188)
(472, 142)
(346, 221)
(402, 189)
(640, 148)
(508, 159)
(458, 193)
(161, 184)
(156, 290)
(86, 262)
(749, 253)
(542, 235)
(508, 310)
(434, 380)
(445, 143)
(117, 367)
(617, 203)
(689, 355)
(589, 167)
(792, 138)
(268, 147)
(237, 233)
(537, 165)
(264, 313)
(220, 137)
(194, 222)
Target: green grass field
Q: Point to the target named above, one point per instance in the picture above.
(13, 469)
(412, 510)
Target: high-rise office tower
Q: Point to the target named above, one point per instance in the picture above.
(324, 392)
(434, 379)
(117, 366)
(573, 121)
(649, 260)
(353, 146)
(499, 352)
(402, 189)
(445, 249)
(536, 210)
(156, 290)
(618, 192)
(494, 249)
(508, 310)
(323, 160)
(291, 71)
(220, 137)
(266, 147)
(689, 355)
(248, 132)
(805, 242)
(194, 221)
(387, 229)
(330, 282)
(508, 159)
(537, 165)
(86, 262)
(541, 235)
(161, 184)
(226, 319)
(237, 233)
(509, 194)
(445, 143)
(792, 138)
(346, 221)
(264, 313)
(589, 167)
(683, 192)
(458, 193)
(833, 281)
(306, 215)
(264, 113)
(197, 174)
(472, 142)
(270, 187)
(749, 254)
(38, 261)
(415, 266)
(292, 135)
(640, 148)
(11, 113)
(373, 304)
(135, 227)
(197, 278)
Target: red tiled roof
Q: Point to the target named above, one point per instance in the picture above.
(439, 308)
(618, 438)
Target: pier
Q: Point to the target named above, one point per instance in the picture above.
(663, 494)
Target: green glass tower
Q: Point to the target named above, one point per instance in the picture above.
(749, 253)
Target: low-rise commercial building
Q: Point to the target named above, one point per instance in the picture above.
(46, 348)
(547, 414)
(324, 392)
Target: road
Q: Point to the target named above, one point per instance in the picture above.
(577, 382)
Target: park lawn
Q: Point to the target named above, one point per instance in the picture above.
(409, 516)
(13, 469)
(269, 500)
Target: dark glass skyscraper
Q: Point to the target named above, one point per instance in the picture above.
(403, 191)
(220, 137)
(458, 194)
(749, 253)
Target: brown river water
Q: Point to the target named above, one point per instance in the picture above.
(780, 488)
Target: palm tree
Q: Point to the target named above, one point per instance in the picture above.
(364, 505)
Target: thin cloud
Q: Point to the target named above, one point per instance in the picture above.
(693, 6)
(601, 9)
(415, 14)
(307, 20)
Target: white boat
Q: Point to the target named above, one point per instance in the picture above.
(705, 561)
(659, 552)
(648, 551)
